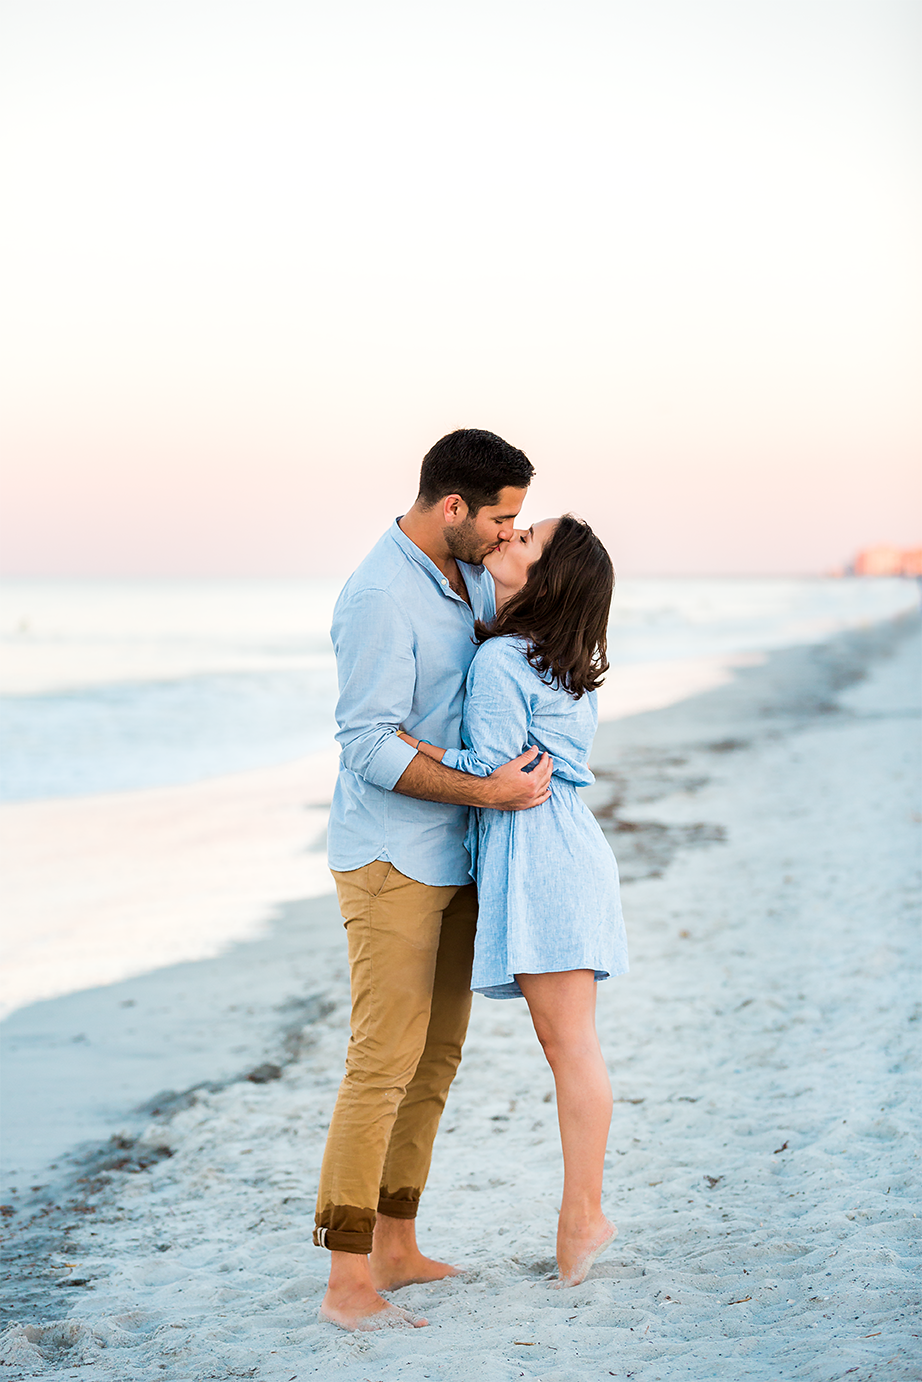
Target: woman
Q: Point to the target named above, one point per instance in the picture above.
(550, 917)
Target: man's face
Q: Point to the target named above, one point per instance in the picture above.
(471, 539)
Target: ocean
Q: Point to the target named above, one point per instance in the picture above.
(116, 685)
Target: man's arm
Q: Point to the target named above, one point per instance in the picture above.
(506, 789)
(376, 667)
(498, 714)
(377, 676)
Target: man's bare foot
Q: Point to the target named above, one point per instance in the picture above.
(363, 1309)
(392, 1270)
(577, 1249)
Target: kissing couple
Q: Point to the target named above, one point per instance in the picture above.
(468, 654)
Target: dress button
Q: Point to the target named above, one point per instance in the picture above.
(444, 582)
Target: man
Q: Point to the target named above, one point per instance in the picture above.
(403, 632)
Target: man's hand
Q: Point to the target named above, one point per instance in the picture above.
(512, 789)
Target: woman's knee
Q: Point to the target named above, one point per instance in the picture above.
(566, 1048)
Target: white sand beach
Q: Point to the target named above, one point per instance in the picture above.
(763, 1051)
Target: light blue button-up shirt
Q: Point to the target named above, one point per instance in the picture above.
(404, 643)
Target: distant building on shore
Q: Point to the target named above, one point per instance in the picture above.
(884, 560)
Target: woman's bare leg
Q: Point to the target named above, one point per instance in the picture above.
(563, 1010)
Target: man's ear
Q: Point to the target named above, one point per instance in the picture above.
(454, 510)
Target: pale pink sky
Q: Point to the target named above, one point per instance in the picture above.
(261, 257)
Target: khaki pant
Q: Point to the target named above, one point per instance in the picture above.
(411, 948)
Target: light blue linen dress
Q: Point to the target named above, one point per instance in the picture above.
(547, 880)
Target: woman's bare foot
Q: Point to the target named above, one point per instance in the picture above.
(578, 1248)
(388, 1272)
(363, 1309)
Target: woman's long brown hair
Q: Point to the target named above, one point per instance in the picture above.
(561, 612)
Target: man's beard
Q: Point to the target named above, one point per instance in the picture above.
(464, 544)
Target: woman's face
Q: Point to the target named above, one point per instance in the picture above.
(509, 564)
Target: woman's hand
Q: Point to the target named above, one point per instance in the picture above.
(421, 746)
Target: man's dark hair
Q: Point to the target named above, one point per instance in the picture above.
(561, 612)
(474, 464)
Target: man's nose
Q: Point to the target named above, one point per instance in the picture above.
(507, 532)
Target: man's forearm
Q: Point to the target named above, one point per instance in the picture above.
(428, 780)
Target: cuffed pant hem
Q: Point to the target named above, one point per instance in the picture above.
(338, 1240)
(398, 1209)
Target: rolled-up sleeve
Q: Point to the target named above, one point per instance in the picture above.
(376, 663)
(497, 711)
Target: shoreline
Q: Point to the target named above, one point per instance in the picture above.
(674, 791)
(199, 866)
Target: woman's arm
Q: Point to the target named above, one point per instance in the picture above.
(377, 674)
(497, 714)
(422, 746)
(498, 709)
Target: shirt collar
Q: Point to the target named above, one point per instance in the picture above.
(410, 549)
